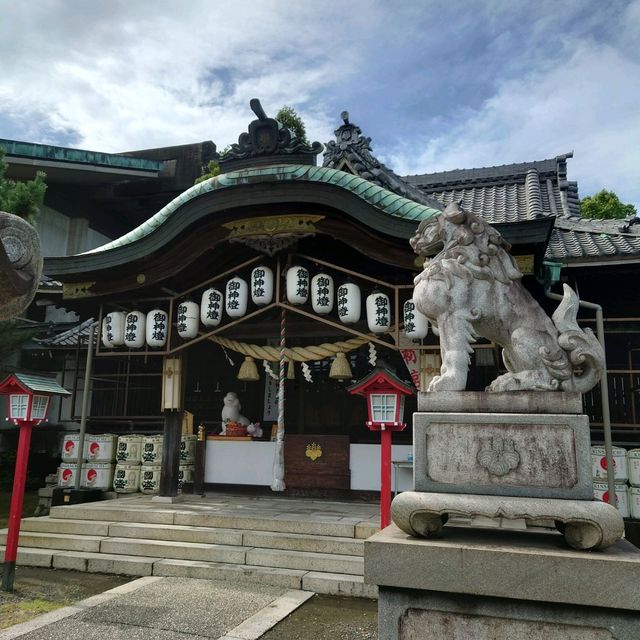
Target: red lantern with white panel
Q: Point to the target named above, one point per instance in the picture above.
(29, 397)
(385, 394)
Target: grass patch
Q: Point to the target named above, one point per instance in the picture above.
(22, 610)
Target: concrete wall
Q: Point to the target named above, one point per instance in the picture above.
(61, 235)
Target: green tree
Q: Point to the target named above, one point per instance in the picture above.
(21, 198)
(288, 117)
(214, 170)
(605, 205)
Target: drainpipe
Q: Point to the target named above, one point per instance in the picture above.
(604, 394)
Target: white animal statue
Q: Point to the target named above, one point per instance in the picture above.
(472, 288)
(231, 411)
(255, 430)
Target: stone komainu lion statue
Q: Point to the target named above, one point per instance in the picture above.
(20, 265)
(472, 288)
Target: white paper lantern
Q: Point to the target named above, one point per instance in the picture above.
(322, 293)
(211, 307)
(134, 329)
(237, 297)
(188, 317)
(297, 285)
(113, 329)
(378, 312)
(157, 327)
(416, 325)
(349, 303)
(262, 285)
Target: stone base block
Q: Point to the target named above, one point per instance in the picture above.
(496, 585)
(410, 615)
(584, 524)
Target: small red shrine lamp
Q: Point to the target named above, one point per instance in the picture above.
(385, 394)
(29, 397)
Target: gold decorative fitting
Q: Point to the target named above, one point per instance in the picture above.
(525, 264)
(313, 451)
(272, 225)
(340, 368)
(248, 371)
(74, 290)
(141, 278)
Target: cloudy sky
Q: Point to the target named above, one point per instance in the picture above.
(437, 84)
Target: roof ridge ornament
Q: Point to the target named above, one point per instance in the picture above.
(267, 141)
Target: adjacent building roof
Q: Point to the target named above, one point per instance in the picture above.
(581, 239)
(78, 334)
(501, 194)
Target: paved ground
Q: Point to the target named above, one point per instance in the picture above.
(181, 609)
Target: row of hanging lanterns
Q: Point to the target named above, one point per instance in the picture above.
(135, 328)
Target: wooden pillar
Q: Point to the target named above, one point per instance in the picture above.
(171, 454)
(172, 394)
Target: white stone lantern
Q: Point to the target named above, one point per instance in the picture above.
(378, 312)
(297, 285)
(262, 285)
(134, 329)
(416, 325)
(211, 307)
(349, 303)
(322, 290)
(113, 329)
(157, 327)
(188, 317)
(237, 297)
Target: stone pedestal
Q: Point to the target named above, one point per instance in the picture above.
(510, 455)
(493, 585)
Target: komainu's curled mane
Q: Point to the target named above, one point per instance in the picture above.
(472, 289)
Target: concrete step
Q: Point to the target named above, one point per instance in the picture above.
(280, 524)
(306, 560)
(177, 550)
(61, 541)
(304, 542)
(176, 533)
(132, 513)
(47, 524)
(31, 557)
(114, 511)
(104, 563)
(338, 584)
(287, 578)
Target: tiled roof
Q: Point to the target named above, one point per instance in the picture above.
(351, 152)
(580, 238)
(71, 337)
(41, 383)
(507, 193)
(501, 194)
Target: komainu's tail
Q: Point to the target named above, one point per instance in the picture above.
(584, 351)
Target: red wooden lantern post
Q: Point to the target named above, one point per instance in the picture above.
(385, 394)
(28, 406)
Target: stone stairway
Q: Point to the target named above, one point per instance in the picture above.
(298, 544)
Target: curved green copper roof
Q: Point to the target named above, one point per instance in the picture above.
(386, 201)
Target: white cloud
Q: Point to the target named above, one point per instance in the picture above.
(124, 77)
(588, 103)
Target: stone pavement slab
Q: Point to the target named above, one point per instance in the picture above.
(167, 609)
